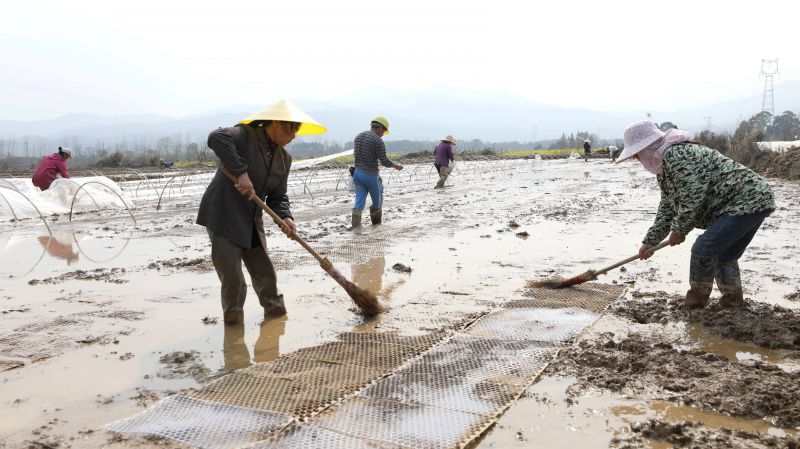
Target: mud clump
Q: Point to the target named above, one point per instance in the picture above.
(145, 398)
(766, 325)
(180, 364)
(200, 264)
(695, 435)
(695, 378)
(100, 274)
(401, 268)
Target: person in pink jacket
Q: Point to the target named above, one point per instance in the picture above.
(49, 168)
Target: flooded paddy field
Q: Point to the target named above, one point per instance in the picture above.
(107, 316)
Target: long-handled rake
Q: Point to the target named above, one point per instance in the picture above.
(366, 301)
(587, 276)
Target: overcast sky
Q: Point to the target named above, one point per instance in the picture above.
(183, 57)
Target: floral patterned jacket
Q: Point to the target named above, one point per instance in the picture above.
(698, 185)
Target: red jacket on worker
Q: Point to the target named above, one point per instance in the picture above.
(50, 166)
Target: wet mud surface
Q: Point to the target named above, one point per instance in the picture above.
(98, 274)
(150, 323)
(648, 362)
(180, 364)
(763, 324)
(694, 435)
(696, 378)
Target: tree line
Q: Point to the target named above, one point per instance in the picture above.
(150, 150)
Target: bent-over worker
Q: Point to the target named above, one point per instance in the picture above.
(701, 188)
(50, 167)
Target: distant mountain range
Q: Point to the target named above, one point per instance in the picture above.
(422, 115)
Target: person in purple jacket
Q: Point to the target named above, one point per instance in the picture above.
(443, 155)
(50, 167)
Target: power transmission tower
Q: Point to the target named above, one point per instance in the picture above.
(769, 68)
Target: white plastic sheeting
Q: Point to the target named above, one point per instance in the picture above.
(305, 163)
(19, 198)
(778, 147)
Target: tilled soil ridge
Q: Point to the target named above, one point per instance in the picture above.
(694, 435)
(766, 325)
(695, 378)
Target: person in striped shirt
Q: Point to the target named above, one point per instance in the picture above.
(369, 150)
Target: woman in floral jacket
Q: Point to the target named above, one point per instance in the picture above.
(701, 188)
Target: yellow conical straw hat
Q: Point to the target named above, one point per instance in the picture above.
(287, 112)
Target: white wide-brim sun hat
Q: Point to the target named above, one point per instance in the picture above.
(639, 136)
(448, 138)
(287, 112)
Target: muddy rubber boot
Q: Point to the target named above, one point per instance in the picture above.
(357, 217)
(233, 317)
(375, 215)
(729, 283)
(701, 281)
(274, 307)
(442, 178)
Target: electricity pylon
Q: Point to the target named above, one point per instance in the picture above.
(769, 68)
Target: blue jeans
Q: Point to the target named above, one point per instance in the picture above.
(727, 238)
(367, 183)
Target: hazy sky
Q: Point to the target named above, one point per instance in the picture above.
(182, 57)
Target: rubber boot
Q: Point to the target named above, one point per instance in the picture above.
(274, 306)
(375, 215)
(442, 178)
(729, 282)
(233, 317)
(357, 217)
(701, 281)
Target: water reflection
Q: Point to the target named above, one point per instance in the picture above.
(677, 413)
(369, 275)
(735, 350)
(58, 249)
(267, 347)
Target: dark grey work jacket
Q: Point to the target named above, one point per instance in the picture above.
(223, 210)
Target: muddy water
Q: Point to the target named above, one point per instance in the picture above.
(149, 323)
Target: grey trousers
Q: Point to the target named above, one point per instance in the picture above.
(444, 172)
(227, 259)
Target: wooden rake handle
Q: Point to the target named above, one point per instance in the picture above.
(629, 259)
(324, 262)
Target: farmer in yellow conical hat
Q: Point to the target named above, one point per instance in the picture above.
(253, 151)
